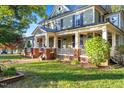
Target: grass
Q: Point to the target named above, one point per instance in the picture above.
(56, 75)
(4, 57)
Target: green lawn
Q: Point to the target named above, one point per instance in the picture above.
(11, 57)
(56, 75)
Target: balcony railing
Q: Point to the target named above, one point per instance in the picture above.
(65, 51)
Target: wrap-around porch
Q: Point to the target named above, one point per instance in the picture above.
(71, 42)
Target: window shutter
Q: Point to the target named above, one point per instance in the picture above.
(61, 23)
(73, 24)
(81, 19)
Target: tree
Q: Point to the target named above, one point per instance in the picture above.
(16, 19)
(11, 40)
(116, 8)
(97, 50)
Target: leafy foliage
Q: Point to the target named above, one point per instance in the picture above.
(9, 71)
(75, 62)
(97, 49)
(18, 17)
(15, 19)
(2, 68)
(116, 8)
(57, 60)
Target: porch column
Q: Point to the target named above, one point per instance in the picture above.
(113, 40)
(47, 41)
(35, 42)
(77, 39)
(113, 44)
(105, 34)
(93, 34)
(55, 41)
(77, 46)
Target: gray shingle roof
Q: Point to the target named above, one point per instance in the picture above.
(74, 7)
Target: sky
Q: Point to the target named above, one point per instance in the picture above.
(33, 25)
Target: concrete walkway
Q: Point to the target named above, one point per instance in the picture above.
(7, 62)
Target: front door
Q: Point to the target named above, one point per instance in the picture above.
(59, 43)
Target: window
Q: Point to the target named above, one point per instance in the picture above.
(64, 43)
(51, 42)
(88, 17)
(67, 22)
(58, 24)
(97, 17)
(49, 25)
(114, 20)
(61, 23)
(77, 21)
(81, 41)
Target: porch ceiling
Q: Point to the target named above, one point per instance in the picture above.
(113, 28)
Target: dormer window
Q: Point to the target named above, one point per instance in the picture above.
(60, 9)
(114, 19)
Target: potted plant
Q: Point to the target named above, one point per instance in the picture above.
(97, 50)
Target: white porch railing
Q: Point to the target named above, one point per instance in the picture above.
(28, 50)
(65, 51)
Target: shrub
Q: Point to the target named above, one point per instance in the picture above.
(97, 50)
(75, 62)
(57, 60)
(9, 71)
(2, 67)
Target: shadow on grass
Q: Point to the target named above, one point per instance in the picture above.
(76, 77)
(50, 75)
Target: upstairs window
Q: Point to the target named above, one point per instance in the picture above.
(88, 17)
(49, 25)
(58, 24)
(67, 22)
(114, 19)
(77, 20)
(97, 17)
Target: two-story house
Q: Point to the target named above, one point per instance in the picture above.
(65, 31)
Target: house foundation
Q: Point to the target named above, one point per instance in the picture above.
(49, 53)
